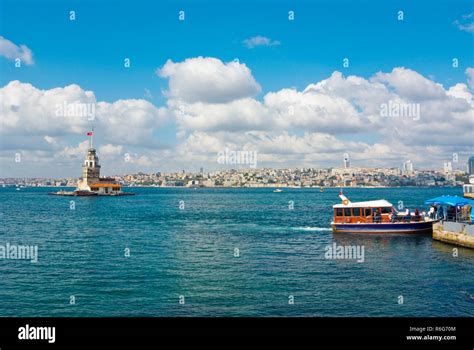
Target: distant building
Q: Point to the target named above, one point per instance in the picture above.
(209, 183)
(470, 165)
(346, 162)
(407, 168)
(448, 167)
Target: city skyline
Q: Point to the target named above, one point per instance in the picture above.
(407, 168)
(381, 88)
(347, 176)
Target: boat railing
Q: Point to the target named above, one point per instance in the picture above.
(406, 218)
(456, 217)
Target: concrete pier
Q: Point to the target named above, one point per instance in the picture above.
(461, 234)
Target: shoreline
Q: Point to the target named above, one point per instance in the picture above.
(246, 187)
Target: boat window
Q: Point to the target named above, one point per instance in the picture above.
(386, 210)
(347, 211)
(356, 211)
(367, 211)
(339, 212)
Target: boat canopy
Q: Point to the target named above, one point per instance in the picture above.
(453, 201)
(381, 203)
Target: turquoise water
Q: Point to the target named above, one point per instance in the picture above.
(190, 253)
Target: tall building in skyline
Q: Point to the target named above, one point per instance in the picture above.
(407, 168)
(470, 165)
(346, 161)
(447, 167)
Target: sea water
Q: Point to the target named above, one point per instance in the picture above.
(221, 252)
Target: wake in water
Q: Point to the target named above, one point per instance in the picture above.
(309, 228)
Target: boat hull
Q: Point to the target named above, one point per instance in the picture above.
(423, 227)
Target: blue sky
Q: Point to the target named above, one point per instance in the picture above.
(90, 52)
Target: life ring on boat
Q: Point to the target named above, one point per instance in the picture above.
(345, 202)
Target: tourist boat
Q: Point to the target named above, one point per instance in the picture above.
(277, 190)
(377, 216)
(468, 189)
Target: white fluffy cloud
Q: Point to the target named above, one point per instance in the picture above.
(46, 118)
(410, 85)
(281, 149)
(12, 51)
(310, 110)
(466, 23)
(51, 137)
(27, 110)
(130, 122)
(260, 41)
(335, 105)
(243, 114)
(74, 152)
(213, 106)
(207, 79)
(110, 150)
(289, 125)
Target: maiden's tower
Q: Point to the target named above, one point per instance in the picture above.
(91, 184)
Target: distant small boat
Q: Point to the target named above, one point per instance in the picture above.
(277, 190)
(321, 189)
(468, 189)
(377, 216)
